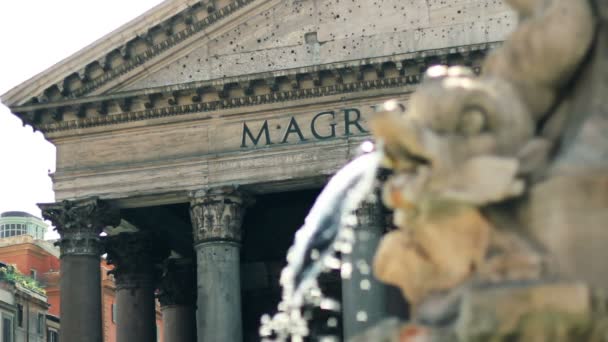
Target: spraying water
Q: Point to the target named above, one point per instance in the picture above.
(325, 231)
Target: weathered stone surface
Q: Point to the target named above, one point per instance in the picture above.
(177, 155)
(217, 214)
(509, 310)
(568, 216)
(187, 134)
(79, 224)
(326, 31)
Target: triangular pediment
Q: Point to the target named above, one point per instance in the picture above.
(181, 42)
(285, 36)
(125, 52)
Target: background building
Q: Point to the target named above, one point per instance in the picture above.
(22, 247)
(23, 306)
(14, 223)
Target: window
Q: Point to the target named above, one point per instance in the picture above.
(7, 328)
(113, 313)
(52, 336)
(20, 315)
(34, 274)
(40, 325)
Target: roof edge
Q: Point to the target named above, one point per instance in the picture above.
(94, 51)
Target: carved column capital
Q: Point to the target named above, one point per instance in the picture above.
(369, 214)
(217, 214)
(79, 224)
(178, 283)
(135, 257)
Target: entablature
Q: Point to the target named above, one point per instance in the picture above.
(246, 90)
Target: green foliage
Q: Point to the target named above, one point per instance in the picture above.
(11, 274)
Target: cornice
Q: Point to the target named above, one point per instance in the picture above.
(24, 248)
(247, 90)
(172, 22)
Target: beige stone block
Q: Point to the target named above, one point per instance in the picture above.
(523, 310)
(435, 254)
(568, 216)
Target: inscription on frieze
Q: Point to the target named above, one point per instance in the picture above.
(324, 125)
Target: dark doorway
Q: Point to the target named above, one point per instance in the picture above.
(268, 231)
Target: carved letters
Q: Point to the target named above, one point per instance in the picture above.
(302, 131)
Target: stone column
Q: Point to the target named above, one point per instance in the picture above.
(135, 256)
(177, 293)
(79, 224)
(363, 297)
(217, 216)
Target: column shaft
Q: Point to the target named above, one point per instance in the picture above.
(363, 297)
(135, 256)
(177, 294)
(219, 292)
(136, 314)
(79, 224)
(80, 303)
(217, 217)
(179, 323)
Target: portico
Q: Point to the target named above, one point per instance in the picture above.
(210, 127)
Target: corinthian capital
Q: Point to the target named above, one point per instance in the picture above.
(369, 213)
(217, 214)
(178, 283)
(79, 224)
(135, 257)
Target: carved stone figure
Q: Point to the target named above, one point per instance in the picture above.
(500, 187)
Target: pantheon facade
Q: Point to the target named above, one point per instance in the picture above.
(197, 137)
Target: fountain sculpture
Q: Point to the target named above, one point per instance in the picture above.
(499, 188)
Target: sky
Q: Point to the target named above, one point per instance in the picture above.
(34, 35)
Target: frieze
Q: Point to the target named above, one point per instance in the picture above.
(79, 224)
(250, 163)
(352, 124)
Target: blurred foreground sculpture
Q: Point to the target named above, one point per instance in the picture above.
(500, 188)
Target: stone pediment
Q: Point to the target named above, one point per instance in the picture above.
(181, 42)
(124, 52)
(214, 88)
(186, 56)
(285, 36)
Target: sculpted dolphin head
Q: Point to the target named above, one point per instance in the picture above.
(459, 135)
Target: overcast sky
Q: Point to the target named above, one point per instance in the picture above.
(34, 35)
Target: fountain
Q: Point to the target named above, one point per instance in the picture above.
(327, 230)
(499, 188)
